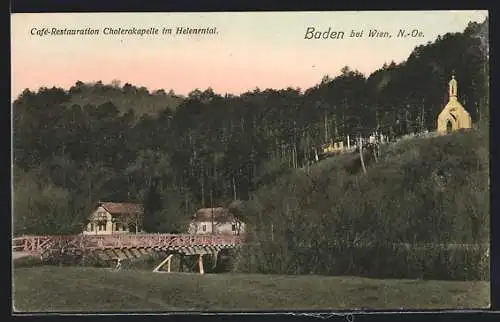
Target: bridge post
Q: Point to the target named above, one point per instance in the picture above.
(200, 264)
(216, 257)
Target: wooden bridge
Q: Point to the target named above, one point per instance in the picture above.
(123, 246)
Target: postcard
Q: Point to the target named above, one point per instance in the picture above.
(243, 161)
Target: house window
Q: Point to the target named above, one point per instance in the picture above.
(101, 226)
(204, 227)
(101, 216)
(91, 227)
(117, 226)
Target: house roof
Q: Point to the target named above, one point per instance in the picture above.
(219, 214)
(116, 208)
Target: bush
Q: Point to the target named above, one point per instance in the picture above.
(27, 261)
(425, 262)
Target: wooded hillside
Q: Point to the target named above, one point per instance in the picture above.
(88, 143)
(422, 210)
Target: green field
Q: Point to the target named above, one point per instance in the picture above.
(51, 288)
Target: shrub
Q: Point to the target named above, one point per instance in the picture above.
(27, 261)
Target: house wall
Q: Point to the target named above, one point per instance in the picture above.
(93, 227)
(205, 227)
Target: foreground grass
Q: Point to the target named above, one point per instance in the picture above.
(47, 289)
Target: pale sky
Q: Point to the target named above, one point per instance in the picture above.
(259, 49)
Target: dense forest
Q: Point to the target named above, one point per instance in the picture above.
(175, 154)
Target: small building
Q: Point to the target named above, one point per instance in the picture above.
(215, 221)
(115, 218)
(454, 116)
(334, 147)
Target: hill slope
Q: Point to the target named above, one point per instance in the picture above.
(215, 148)
(422, 191)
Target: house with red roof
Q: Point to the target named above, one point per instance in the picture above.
(115, 218)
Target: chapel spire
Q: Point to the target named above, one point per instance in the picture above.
(453, 87)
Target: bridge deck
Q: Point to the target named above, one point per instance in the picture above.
(161, 242)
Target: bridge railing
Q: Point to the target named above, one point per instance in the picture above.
(46, 243)
(31, 243)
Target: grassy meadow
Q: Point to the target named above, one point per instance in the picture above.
(59, 289)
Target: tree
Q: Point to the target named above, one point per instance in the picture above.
(43, 209)
(152, 208)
